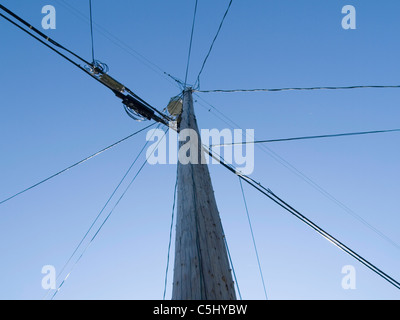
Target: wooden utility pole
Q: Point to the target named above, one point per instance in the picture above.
(202, 270)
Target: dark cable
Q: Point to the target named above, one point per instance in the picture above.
(212, 45)
(191, 42)
(40, 33)
(55, 50)
(121, 44)
(268, 193)
(165, 118)
(91, 30)
(76, 164)
(297, 89)
(310, 137)
(305, 178)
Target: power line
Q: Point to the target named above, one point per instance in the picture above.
(49, 40)
(269, 194)
(170, 237)
(310, 137)
(131, 100)
(191, 42)
(91, 29)
(236, 91)
(253, 238)
(112, 210)
(297, 89)
(122, 45)
(41, 34)
(212, 44)
(101, 211)
(50, 47)
(75, 164)
(300, 174)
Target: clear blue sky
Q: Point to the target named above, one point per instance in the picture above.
(53, 115)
